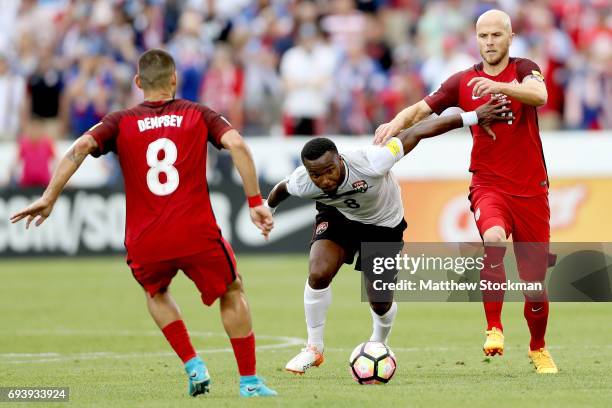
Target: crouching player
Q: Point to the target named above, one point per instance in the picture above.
(358, 200)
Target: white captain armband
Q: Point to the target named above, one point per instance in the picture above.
(469, 118)
(382, 158)
(537, 75)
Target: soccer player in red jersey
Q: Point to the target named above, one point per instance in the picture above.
(170, 225)
(509, 189)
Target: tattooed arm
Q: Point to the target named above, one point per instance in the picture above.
(69, 164)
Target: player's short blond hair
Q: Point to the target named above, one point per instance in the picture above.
(498, 16)
(155, 68)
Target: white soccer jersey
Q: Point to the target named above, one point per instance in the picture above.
(369, 193)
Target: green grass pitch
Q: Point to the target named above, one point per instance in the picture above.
(82, 323)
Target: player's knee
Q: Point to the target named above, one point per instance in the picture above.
(319, 280)
(494, 234)
(380, 308)
(321, 274)
(535, 295)
(236, 286)
(233, 296)
(160, 296)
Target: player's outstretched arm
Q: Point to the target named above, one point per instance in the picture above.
(404, 119)
(241, 156)
(382, 159)
(484, 115)
(72, 160)
(278, 194)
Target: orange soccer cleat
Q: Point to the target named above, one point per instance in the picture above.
(543, 361)
(494, 343)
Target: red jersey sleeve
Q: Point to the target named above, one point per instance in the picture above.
(217, 126)
(446, 96)
(527, 68)
(105, 133)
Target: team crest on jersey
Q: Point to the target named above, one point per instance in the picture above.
(321, 228)
(361, 186)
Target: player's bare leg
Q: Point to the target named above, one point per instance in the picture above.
(236, 318)
(163, 308)
(383, 310)
(167, 315)
(326, 258)
(494, 239)
(235, 311)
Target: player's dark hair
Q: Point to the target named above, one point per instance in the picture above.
(155, 68)
(317, 147)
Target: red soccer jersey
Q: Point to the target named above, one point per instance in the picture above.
(514, 162)
(162, 151)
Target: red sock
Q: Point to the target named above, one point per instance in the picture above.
(493, 312)
(493, 271)
(244, 351)
(536, 314)
(178, 337)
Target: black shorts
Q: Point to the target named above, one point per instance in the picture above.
(332, 225)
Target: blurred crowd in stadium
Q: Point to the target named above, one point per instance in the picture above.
(287, 66)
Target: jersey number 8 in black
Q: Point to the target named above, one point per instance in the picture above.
(351, 203)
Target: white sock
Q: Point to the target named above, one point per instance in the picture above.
(381, 325)
(316, 303)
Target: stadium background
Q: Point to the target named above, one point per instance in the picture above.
(64, 64)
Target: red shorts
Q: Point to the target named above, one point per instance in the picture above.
(527, 219)
(212, 271)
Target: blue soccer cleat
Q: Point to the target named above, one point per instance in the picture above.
(199, 379)
(254, 386)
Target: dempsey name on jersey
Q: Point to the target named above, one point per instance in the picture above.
(156, 122)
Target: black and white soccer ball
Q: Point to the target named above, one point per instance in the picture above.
(372, 362)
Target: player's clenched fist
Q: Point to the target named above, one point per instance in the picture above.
(262, 218)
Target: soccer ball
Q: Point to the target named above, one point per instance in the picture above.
(372, 363)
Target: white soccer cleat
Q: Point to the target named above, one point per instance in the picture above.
(310, 356)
